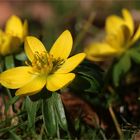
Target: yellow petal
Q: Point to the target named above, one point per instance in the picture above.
(71, 63)
(63, 45)
(98, 51)
(14, 27)
(113, 23)
(16, 77)
(8, 44)
(33, 86)
(136, 36)
(102, 49)
(5, 41)
(58, 81)
(119, 39)
(33, 45)
(129, 21)
(97, 59)
(25, 29)
(116, 40)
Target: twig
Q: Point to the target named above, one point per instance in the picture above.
(84, 31)
(116, 123)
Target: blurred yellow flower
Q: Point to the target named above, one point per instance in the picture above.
(50, 69)
(13, 36)
(120, 35)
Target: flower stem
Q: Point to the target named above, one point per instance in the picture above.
(108, 76)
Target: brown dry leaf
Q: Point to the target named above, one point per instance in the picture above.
(78, 108)
(10, 112)
(136, 136)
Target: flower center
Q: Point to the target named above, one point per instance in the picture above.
(45, 63)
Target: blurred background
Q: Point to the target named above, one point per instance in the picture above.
(85, 19)
(48, 18)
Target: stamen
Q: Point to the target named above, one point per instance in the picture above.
(57, 64)
(45, 63)
(28, 63)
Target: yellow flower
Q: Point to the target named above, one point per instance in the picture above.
(13, 36)
(50, 69)
(120, 35)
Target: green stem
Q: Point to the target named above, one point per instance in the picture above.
(58, 132)
(9, 93)
(107, 77)
(41, 132)
(103, 135)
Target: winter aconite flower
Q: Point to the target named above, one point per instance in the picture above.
(120, 35)
(13, 36)
(50, 69)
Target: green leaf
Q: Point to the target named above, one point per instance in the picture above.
(9, 61)
(11, 101)
(14, 136)
(135, 55)
(94, 85)
(49, 116)
(21, 56)
(59, 110)
(121, 67)
(31, 108)
(14, 100)
(90, 68)
(88, 78)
